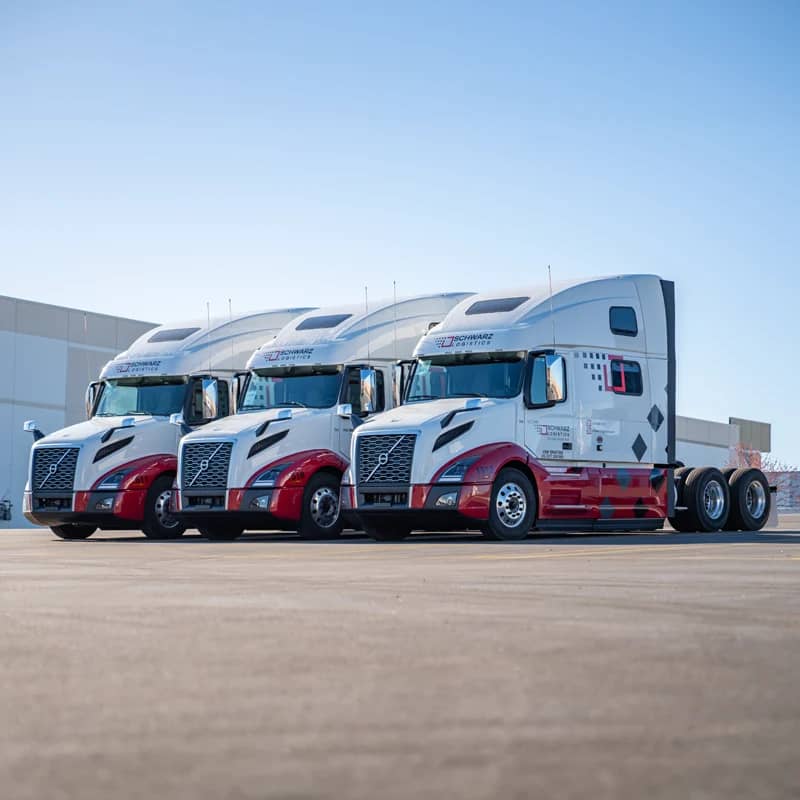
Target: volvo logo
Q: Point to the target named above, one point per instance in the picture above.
(53, 469)
(203, 465)
(383, 459)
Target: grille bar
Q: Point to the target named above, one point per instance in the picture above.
(204, 465)
(54, 469)
(385, 458)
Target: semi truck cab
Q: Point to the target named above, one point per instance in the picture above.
(115, 470)
(277, 463)
(556, 411)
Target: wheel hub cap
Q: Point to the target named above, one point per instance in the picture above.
(714, 500)
(162, 510)
(325, 507)
(511, 505)
(755, 499)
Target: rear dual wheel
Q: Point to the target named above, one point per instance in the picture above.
(704, 494)
(750, 500)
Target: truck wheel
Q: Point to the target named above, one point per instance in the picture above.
(750, 500)
(320, 515)
(387, 532)
(707, 498)
(158, 522)
(73, 531)
(682, 521)
(221, 532)
(513, 506)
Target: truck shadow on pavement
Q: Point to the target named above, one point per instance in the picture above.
(567, 539)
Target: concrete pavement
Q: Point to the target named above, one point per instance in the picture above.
(659, 666)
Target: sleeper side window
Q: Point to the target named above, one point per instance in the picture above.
(622, 320)
(626, 377)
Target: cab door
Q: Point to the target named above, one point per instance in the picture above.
(549, 420)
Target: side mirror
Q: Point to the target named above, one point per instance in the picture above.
(548, 380)
(369, 390)
(210, 398)
(32, 426)
(344, 410)
(239, 383)
(176, 419)
(92, 392)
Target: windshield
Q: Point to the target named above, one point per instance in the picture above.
(467, 375)
(303, 387)
(157, 396)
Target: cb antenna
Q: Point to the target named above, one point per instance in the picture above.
(230, 320)
(552, 317)
(394, 291)
(208, 330)
(366, 313)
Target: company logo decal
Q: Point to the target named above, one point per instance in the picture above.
(463, 340)
(290, 354)
(138, 367)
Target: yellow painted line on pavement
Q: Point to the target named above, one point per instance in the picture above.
(595, 551)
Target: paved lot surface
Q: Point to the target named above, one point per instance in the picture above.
(579, 666)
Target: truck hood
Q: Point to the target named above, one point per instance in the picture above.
(307, 429)
(151, 436)
(248, 422)
(493, 420)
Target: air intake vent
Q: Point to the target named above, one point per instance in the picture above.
(54, 469)
(204, 465)
(385, 458)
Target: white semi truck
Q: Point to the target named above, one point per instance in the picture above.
(527, 409)
(278, 462)
(115, 470)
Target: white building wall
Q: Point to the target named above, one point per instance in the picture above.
(47, 356)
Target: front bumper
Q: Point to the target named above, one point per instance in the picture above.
(122, 510)
(275, 508)
(432, 506)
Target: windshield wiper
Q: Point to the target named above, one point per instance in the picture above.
(290, 403)
(424, 397)
(467, 394)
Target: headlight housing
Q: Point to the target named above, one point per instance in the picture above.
(455, 472)
(269, 477)
(113, 481)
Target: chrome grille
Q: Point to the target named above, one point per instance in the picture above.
(54, 469)
(385, 458)
(204, 465)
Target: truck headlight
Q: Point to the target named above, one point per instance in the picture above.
(269, 476)
(455, 472)
(114, 480)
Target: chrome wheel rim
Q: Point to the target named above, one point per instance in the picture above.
(511, 505)
(755, 498)
(714, 500)
(163, 516)
(325, 507)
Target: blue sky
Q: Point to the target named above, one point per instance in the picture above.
(156, 155)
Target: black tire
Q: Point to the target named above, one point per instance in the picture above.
(750, 505)
(707, 498)
(221, 532)
(320, 517)
(158, 522)
(73, 531)
(682, 521)
(387, 532)
(727, 472)
(510, 520)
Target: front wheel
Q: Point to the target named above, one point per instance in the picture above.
(513, 506)
(158, 522)
(73, 531)
(320, 517)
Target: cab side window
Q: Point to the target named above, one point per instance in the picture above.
(223, 399)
